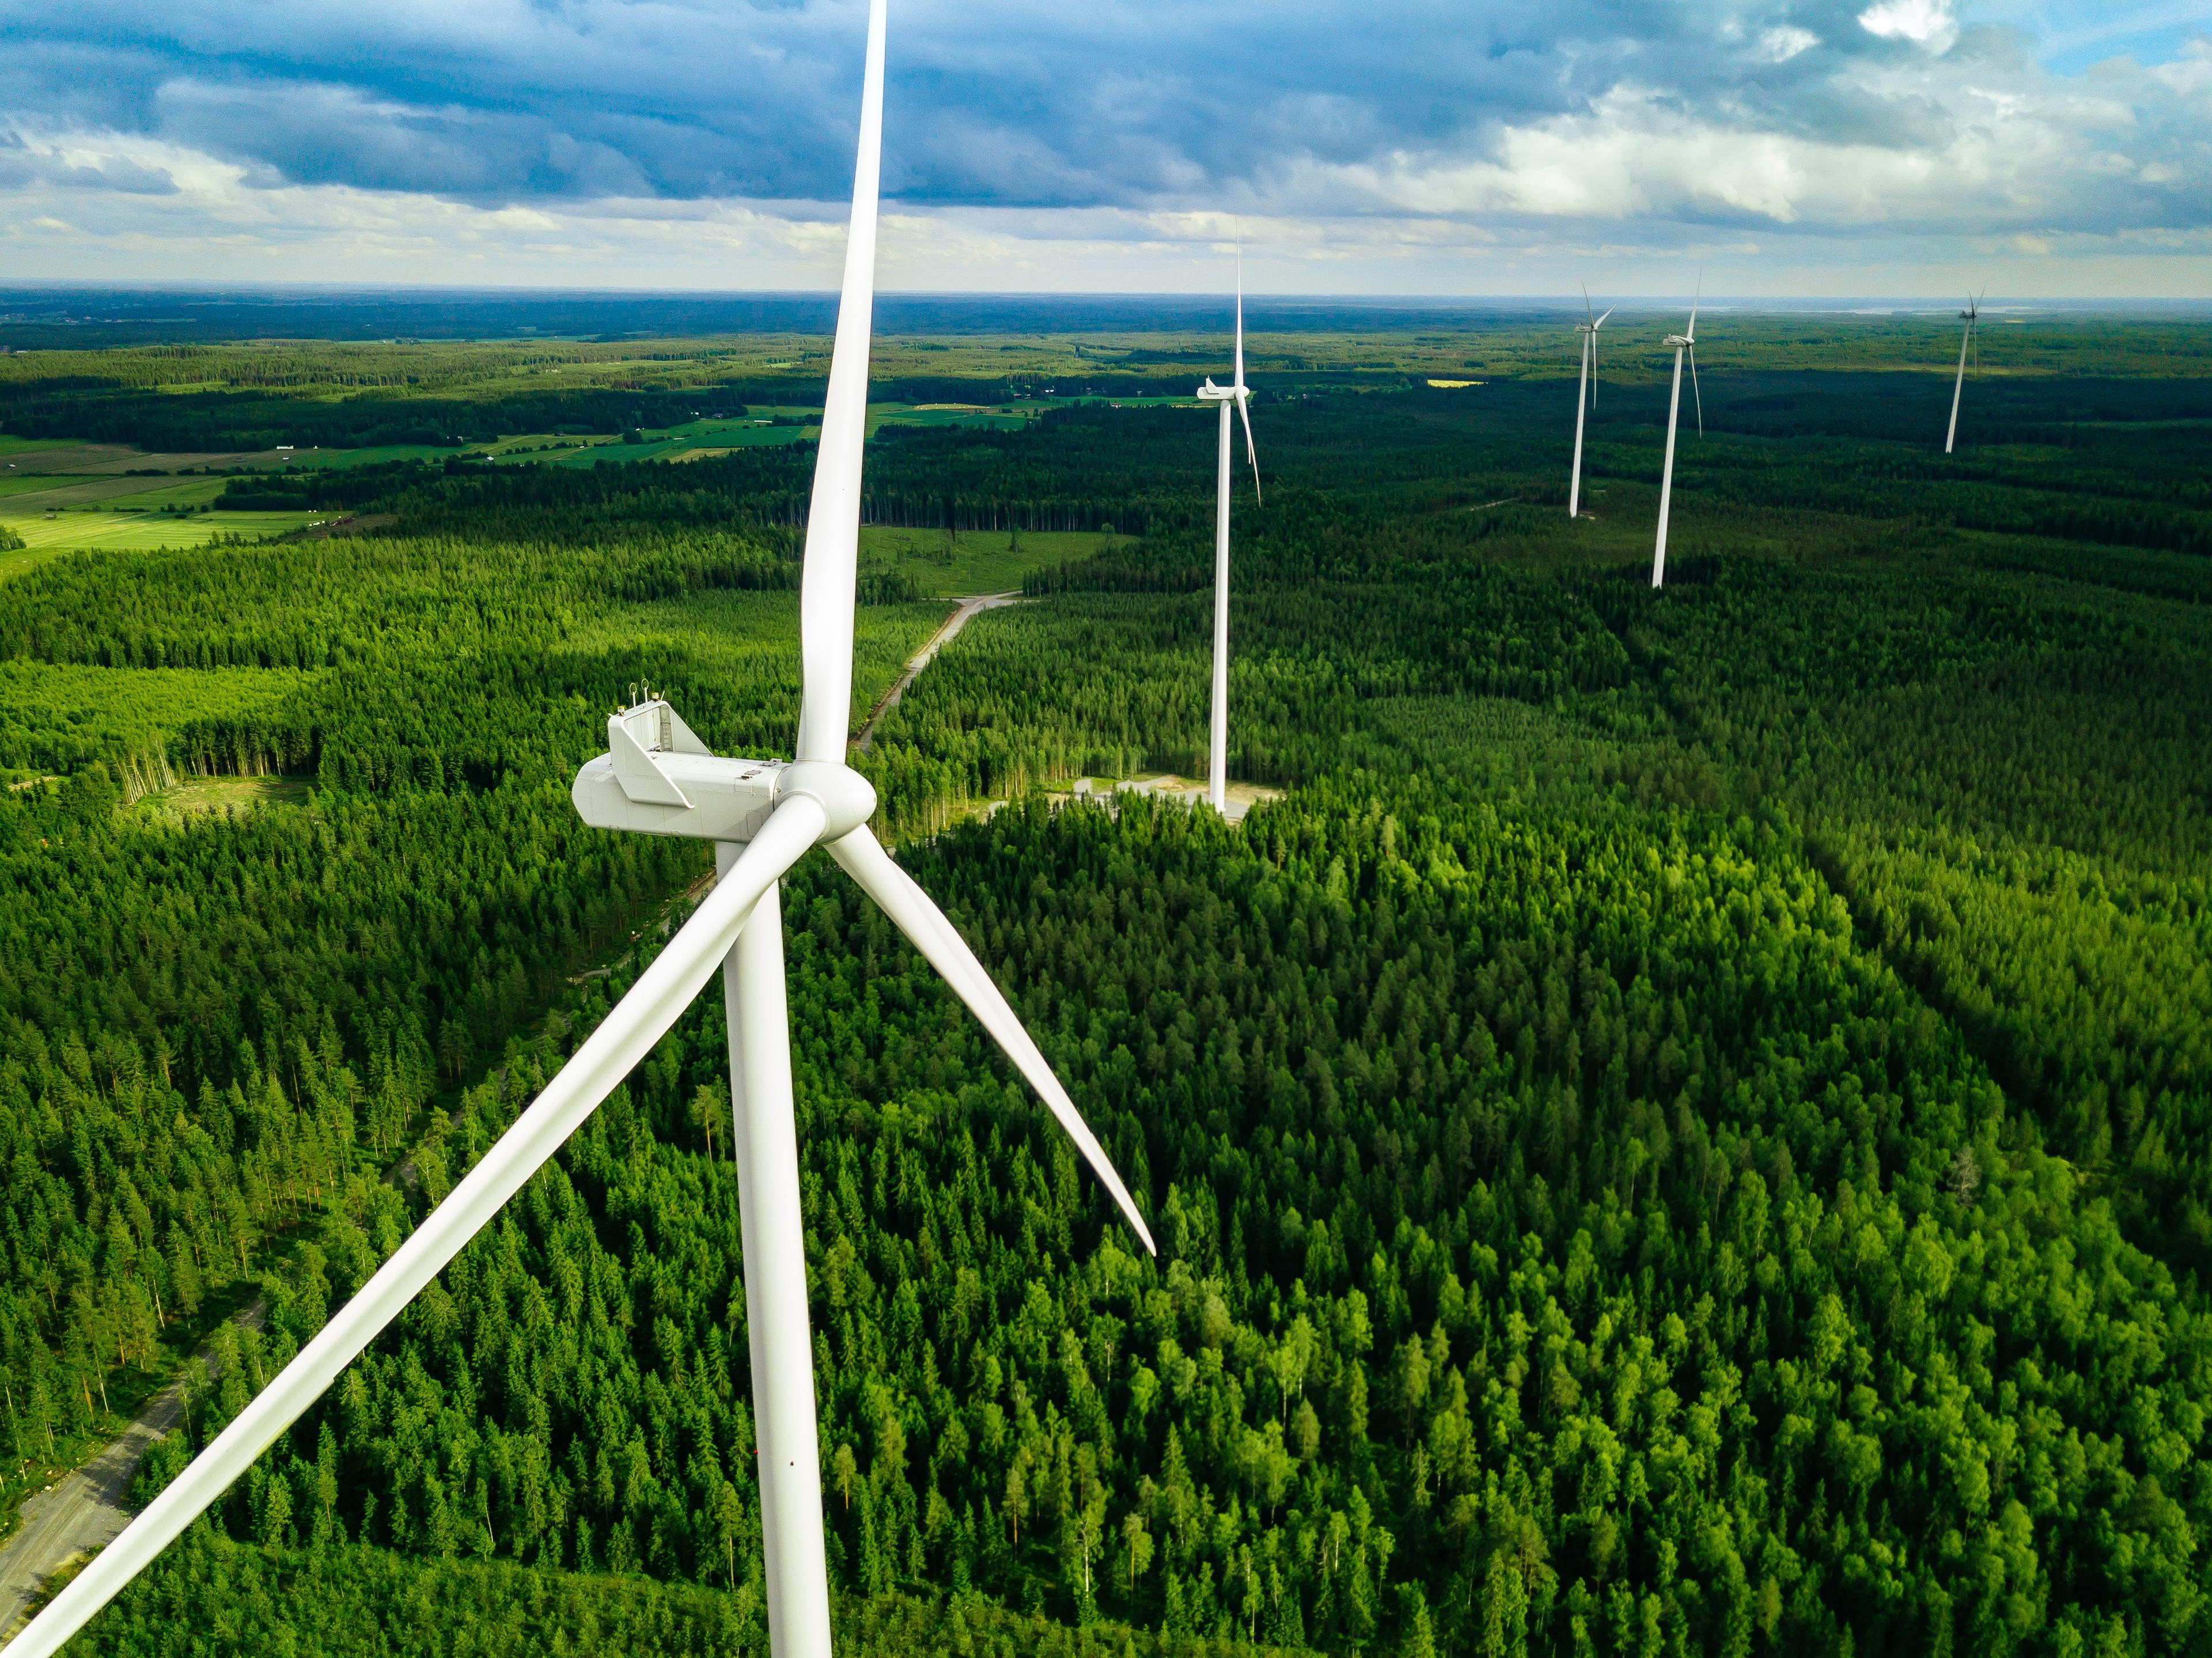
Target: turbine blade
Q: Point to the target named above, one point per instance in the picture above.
(624, 1039)
(1245, 414)
(1240, 316)
(833, 522)
(916, 914)
(1600, 322)
(1694, 392)
(1586, 308)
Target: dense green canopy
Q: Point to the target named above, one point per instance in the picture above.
(1686, 1129)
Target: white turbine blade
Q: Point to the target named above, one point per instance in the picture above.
(1238, 383)
(916, 914)
(1586, 309)
(1240, 317)
(833, 524)
(624, 1039)
(1694, 392)
(1245, 414)
(1600, 322)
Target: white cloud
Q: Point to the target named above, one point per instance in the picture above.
(1637, 157)
(1925, 22)
(1779, 45)
(1884, 150)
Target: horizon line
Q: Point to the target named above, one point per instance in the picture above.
(187, 286)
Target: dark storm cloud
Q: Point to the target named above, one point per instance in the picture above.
(1005, 103)
(996, 103)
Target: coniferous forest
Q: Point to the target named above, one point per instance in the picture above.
(1683, 1123)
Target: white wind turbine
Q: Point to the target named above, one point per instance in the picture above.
(1686, 341)
(763, 815)
(1972, 316)
(1239, 394)
(1585, 396)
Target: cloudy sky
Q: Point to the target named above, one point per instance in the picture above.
(1787, 146)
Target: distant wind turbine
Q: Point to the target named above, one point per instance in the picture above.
(1972, 316)
(1585, 396)
(1239, 394)
(763, 815)
(1686, 341)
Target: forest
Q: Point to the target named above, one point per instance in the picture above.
(1686, 1126)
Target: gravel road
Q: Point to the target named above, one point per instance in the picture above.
(970, 608)
(82, 1512)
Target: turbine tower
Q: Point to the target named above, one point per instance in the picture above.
(1686, 341)
(1971, 316)
(763, 815)
(1585, 396)
(1238, 394)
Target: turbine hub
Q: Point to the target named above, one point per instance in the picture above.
(847, 799)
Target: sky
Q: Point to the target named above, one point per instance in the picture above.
(2042, 147)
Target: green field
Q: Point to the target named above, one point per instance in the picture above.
(138, 531)
(1009, 416)
(54, 494)
(975, 561)
(224, 796)
(670, 443)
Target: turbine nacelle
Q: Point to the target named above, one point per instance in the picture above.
(1679, 342)
(1210, 392)
(658, 777)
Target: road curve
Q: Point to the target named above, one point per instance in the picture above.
(922, 657)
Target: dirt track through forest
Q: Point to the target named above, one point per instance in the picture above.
(970, 608)
(82, 1512)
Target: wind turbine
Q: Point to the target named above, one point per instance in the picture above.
(1686, 341)
(1585, 396)
(1971, 316)
(1239, 394)
(763, 815)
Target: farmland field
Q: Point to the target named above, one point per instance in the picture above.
(1686, 1127)
(140, 531)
